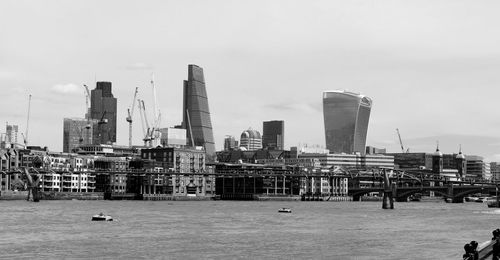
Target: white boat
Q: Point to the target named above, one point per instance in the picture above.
(285, 210)
(102, 217)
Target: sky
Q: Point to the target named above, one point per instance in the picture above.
(431, 67)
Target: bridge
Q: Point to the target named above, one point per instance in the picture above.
(295, 181)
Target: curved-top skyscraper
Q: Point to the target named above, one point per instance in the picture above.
(346, 116)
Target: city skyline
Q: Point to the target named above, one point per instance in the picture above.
(431, 72)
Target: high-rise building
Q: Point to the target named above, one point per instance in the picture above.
(103, 109)
(195, 113)
(230, 143)
(251, 140)
(10, 138)
(76, 132)
(273, 135)
(346, 116)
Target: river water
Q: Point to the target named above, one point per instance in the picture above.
(241, 230)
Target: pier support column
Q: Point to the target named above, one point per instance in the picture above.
(388, 201)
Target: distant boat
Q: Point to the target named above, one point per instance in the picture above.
(101, 217)
(285, 210)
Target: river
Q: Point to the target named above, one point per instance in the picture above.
(241, 230)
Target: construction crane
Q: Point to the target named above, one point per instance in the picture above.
(401, 143)
(25, 135)
(87, 113)
(145, 124)
(155, 133)
(130, 112)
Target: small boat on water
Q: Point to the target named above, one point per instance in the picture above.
(101, 217)
(285, 210)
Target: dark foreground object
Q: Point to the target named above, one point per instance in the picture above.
(486, 250)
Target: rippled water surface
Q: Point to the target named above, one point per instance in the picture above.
(241, 230)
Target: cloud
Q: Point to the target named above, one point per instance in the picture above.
(4, 74)
(70, 88)
(138, 66)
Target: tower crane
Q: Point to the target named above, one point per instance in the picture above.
(401, 143)
(130, 112)
(87, 113)
(145, 124)
(155, 134)
(25, 136)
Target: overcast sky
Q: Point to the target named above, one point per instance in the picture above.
(431, 67)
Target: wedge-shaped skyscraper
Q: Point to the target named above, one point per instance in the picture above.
(346, 117)
(196, 115)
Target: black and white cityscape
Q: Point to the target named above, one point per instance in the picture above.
(249, 130)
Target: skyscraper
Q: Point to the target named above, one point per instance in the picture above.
(103, 109)
(251, 140)
(346, 117)
(76, 132)
(230, 143)
(273, 136)
(195, 113)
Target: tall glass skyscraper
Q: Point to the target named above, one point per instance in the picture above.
(103, 109)
(196, 115)
(346, 116)
(273, 136)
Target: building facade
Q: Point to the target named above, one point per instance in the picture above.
(230, 143)
(103, 109)
(352, 160)
(196, 114)
(346, 117)
(273, 134)
(76, 132)
(251, 140)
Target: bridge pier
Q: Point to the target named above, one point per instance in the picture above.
(389, 192)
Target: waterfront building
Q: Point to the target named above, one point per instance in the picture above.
(77, 182)
(181, 160)
(359, 161)
(103, 109)
(273, 134)
(76, 132)
(173, 137)
(196, 113)
(346, 117)
(230, 143)
(251, 140)
(108, 150)
(236, 156)
(111, 163)
(477, 169)
(495, 172)
(186, 163)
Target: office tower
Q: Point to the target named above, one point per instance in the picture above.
(251, 140)
(103, 109)
(346, 117)
(10, 140)
(76, 132)
(273, 136)
(196, 115)
(230, 143)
